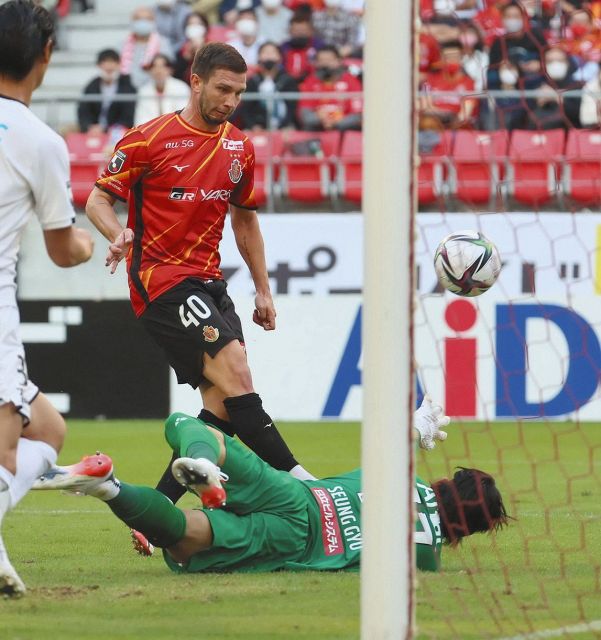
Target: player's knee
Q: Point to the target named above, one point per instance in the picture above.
(171, 423)
(239, 379)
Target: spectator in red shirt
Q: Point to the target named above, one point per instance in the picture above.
(429, 54)
(323, 114)
(454, 110)
(299, 51)
(583, 43)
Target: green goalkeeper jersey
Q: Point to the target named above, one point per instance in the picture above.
(335, 524)
(428, 536)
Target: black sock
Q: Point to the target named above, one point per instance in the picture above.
(210, 418)
(256, 429)
(168, 485)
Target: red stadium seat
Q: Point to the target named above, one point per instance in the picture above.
(432, 169)
(350, 169)
(478, 164)
(534, 158)
(268, 150)
(87, 155)
(308, 162)
(582, 172)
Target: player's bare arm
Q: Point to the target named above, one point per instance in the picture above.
(69, 247)
(101, 212)
(250, 244)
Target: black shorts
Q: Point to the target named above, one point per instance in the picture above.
(192, 318)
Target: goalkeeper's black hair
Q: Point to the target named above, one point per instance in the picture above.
(469, 503)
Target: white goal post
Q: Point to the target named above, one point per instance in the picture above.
(387, 452)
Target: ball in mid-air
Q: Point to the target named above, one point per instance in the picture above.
(467, 263)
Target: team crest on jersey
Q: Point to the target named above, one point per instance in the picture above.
(116, 163)
(235, 171)
(210, 334)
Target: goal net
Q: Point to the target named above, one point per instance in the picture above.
(515, 153)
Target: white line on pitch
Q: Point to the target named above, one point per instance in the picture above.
(583, 627)
(56, 512)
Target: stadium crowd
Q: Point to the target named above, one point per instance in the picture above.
(306, 47)
(484, 66)
(470, 47)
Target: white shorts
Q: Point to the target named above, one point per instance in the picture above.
(15, 385)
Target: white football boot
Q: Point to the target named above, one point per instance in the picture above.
(203, 477)
(84, 477)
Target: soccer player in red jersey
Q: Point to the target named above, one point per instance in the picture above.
(180, 174)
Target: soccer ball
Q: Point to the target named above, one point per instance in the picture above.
(467, 263)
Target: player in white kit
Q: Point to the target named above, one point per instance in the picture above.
(34, 179)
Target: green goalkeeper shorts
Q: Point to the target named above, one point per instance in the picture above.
(264, 525)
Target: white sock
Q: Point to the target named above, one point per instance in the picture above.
(34, 458)
(300, 473)
(6, 478)
(107, 490)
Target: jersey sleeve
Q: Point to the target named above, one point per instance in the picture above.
(51, 185)
(128, 164)
(243, 195)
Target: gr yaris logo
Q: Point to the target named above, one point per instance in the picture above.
(185, 194)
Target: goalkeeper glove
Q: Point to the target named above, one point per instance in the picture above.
(428, 420)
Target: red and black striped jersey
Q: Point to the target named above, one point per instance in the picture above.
(179, 182)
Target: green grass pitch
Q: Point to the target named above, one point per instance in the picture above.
(542, 573)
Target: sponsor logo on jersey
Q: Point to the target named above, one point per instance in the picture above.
(330, 528)
(178, 168)
(185, 194)
(116, 163)
(235, 171)
(210, 334)
(187, 144)
(216, 194)
(232, 145)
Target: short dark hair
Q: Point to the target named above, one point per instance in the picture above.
(331, 48)
(108, 54)
(469, 503)
(217, 55)
(161, 56)
(451, 44)
(25, 29)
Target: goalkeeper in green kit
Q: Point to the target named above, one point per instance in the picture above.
(269, 520)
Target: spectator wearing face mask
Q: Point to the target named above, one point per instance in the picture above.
(590, 106)
(299, 50)
(450, 111)
(247, 40)
(195, 30)
(508, 112)
(142, 44)
(162, 93)
(269, 79)
(338, 27)
(273, 18)
(518, 35)
(475, 58)
(552, 110)
(324, 114)
(108, 111)
(170, 17)
(583, 43)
